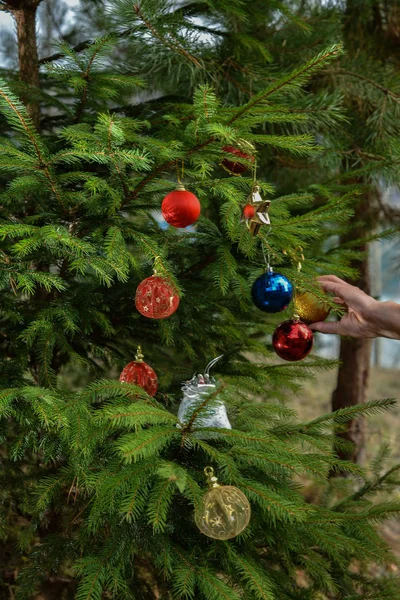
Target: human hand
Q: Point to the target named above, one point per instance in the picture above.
(363, 318)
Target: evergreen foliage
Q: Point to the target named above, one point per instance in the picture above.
(97, 480)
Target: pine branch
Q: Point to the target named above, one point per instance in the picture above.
(188, 427)
(367, 488)
(300, 73)
(58, 55)
(175, 46)
(98, 45)
(375, 84)
(307, 70)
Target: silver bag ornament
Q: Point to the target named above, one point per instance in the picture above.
(195, 392)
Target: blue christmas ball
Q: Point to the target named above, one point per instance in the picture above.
(272, 292)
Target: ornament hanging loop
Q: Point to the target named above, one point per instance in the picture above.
(180, 174)
(211, 364)
(296, 255)
(300, 263)
(156, 266)
(267, 258)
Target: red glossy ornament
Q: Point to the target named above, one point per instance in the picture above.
(140, 373)
(236, 168)
(249, 211)
(180, 208)
(156, 298)
(292, 340)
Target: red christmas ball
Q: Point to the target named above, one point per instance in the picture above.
(180, 208)
(156, 298)
(292, 340)
(249, 211)
(236, 168)
(141, 374)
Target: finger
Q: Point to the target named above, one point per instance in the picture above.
(329, 327)
(332, 278)
(333, 287)
(338, 300)
(346, 292)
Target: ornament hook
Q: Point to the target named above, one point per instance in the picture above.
(156, 265)
(211, 364)
(180, 175)
(267, 257)
(255, 170)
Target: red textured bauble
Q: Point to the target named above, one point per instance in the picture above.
(141, 374)
(249, 211)
(156, 298)
(292, 340)
(236, 168)
(180, 208)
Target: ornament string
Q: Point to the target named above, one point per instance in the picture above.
(156, 270)
(296, 256)
(180, 175)
(267, 258)
(267, 253)
(300, 263)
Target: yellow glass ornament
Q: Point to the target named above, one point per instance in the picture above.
(310, 308)
(224, 511)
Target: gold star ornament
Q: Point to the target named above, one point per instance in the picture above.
(261, 208)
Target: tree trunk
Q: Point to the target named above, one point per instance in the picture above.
(353, 372)
(24, 12)
(352, 384)
(360, 32)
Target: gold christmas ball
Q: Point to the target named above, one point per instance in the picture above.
(224, 513)
(309, 308)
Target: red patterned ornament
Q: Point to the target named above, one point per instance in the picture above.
(140, 373)
(292, 340)
(180, 208)
(236, 168)
(249, 211)
(156, 298)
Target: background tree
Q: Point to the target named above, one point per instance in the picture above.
(359, 154)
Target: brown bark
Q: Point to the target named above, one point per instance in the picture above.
(353, 372)
(352, 385)
(24, 12)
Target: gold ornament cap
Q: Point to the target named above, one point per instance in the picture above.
(211, 479)
(139, 356)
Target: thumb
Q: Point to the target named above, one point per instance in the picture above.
(329, 327)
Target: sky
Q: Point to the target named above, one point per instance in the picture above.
(7, 23)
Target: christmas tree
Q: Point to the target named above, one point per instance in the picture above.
(100, 478)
